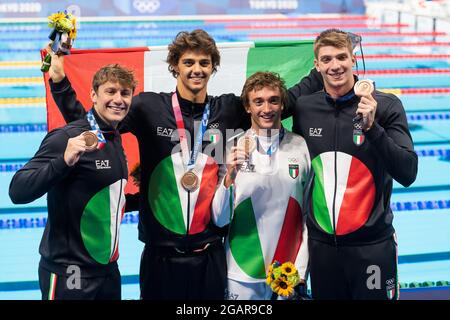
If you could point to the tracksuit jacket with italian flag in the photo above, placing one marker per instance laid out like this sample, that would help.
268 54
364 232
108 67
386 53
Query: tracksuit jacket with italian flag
348 199
169 215
264 206
85 202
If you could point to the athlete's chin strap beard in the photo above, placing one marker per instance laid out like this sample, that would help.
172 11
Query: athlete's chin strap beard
356 40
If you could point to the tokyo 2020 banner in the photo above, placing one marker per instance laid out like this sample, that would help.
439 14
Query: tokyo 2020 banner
92 8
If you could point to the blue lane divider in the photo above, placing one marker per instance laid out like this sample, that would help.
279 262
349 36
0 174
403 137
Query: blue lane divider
33 127
424 257
39 222
439 285
42 127
39 31
34 285
10 167
420 205
433 153
445 153
134 279
14 166
132 218
428 116
23 210
28 127
2 50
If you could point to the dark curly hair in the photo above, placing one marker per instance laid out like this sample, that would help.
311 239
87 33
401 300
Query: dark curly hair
260 80
197 40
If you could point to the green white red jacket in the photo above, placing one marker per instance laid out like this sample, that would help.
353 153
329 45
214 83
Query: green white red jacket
264 209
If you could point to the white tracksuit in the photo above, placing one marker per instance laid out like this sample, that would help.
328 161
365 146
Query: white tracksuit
266 223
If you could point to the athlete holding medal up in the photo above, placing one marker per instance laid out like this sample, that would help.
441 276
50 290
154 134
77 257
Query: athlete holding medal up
359 141
261 194
83 169
365 89
91 140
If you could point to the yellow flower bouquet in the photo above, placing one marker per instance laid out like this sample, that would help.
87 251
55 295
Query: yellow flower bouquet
63 34
284 281
282 278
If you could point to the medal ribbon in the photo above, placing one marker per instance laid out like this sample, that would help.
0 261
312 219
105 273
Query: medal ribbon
96 129
274 145
190 161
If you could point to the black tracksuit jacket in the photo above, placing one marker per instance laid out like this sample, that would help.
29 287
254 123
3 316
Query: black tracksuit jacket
348 199
85 202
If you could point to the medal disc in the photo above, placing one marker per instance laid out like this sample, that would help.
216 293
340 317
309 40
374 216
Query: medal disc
247 143
364 87
91 140
189 181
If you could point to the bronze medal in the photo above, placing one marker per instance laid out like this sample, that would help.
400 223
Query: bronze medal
189 181
91 140
364 88
247 143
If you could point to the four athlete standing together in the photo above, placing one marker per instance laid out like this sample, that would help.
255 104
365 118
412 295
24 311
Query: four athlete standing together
313 197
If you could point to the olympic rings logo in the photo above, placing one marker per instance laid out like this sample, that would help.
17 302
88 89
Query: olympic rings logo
146 6
390 281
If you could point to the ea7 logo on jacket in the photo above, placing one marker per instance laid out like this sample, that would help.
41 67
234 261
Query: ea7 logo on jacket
164 132
102 164
315 132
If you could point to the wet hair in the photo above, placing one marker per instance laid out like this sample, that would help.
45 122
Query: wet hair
260 80
332 37
197 41
114 73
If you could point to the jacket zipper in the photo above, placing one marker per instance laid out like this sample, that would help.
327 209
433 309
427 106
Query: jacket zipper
336 115
188 212
117 219
118 208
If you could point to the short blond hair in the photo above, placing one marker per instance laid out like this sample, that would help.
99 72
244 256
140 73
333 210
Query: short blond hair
334 38
114 73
